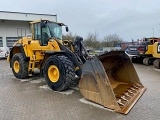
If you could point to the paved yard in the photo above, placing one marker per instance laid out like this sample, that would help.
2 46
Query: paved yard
31 99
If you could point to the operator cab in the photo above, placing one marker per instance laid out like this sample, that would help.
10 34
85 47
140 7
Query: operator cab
45 30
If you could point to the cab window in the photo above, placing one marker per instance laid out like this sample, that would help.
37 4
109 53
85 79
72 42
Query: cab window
37 31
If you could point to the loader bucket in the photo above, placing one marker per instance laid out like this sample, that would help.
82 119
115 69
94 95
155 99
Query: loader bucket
111 80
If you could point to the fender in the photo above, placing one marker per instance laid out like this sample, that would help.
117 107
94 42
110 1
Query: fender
18 48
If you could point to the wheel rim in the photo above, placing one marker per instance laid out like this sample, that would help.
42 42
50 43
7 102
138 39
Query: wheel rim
149 62
16 66
53 73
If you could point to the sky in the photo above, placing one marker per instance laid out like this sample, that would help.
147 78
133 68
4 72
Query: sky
130 19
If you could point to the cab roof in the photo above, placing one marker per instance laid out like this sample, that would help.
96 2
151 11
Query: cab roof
38 21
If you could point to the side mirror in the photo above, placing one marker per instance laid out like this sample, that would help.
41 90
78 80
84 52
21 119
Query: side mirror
67 29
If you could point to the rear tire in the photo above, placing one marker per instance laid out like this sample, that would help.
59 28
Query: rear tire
148 61
134 59
145 61
19 66
156 63
62 76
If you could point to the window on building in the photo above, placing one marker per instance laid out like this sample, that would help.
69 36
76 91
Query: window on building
1 42
11 40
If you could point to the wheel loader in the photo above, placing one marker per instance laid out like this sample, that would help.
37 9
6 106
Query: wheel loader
109 80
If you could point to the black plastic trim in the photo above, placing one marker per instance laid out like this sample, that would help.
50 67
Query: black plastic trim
158 48
21 51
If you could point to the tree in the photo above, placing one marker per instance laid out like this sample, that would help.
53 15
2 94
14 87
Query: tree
111 40
92 40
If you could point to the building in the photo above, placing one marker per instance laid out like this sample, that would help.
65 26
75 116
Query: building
15 25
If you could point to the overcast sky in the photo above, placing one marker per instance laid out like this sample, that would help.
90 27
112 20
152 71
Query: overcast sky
130 19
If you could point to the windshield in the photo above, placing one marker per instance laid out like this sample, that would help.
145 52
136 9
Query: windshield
55 30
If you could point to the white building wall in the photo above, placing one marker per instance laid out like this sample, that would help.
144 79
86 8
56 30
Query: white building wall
11 23
11 29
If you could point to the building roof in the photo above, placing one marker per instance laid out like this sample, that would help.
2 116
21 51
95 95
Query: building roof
7 15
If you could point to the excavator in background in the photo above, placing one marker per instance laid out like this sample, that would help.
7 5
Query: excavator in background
143 53
109 79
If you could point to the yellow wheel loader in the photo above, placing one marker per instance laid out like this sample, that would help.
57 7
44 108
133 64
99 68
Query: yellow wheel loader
109 79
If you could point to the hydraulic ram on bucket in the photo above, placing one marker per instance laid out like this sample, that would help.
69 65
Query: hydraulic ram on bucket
111 80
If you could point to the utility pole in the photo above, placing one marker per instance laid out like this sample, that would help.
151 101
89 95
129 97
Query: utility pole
153 32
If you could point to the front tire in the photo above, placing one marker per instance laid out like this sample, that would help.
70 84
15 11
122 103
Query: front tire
59 72
19 66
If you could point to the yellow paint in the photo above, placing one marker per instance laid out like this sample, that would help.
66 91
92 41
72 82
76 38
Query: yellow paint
77 68
34 50
72 49
155 48
149 49
8 58
16 66
53 73
67 42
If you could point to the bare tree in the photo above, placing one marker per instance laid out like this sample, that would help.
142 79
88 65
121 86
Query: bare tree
111 40
92 40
